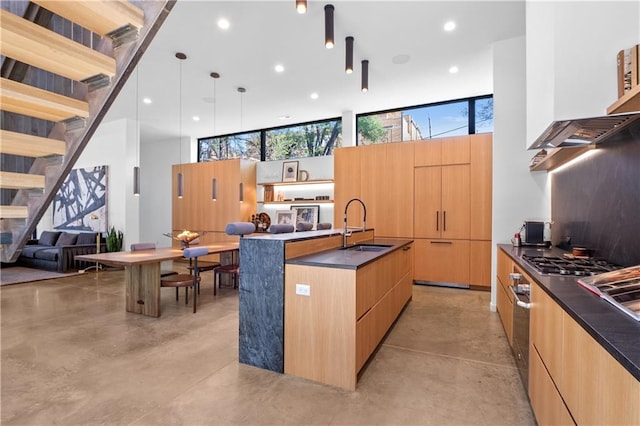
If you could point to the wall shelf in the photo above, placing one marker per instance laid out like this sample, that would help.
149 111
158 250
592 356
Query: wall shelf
629 102
303 182
558 157
297 202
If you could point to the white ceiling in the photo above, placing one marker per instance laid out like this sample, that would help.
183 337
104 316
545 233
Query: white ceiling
264 33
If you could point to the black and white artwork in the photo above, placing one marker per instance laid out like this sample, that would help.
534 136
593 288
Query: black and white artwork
309 214
81 202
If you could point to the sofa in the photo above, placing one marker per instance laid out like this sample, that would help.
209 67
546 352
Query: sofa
56 250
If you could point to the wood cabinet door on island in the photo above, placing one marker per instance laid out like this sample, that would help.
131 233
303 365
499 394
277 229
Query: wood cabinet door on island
331 332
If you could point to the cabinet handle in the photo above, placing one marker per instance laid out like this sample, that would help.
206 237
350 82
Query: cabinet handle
444 220
406 248
437 220
441 242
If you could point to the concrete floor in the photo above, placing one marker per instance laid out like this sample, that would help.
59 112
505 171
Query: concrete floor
71 355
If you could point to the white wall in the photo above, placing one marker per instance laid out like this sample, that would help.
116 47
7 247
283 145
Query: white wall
157 157
113 145
518 194
571 50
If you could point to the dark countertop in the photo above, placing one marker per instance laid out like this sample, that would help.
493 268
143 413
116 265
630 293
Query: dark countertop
618 333
349 259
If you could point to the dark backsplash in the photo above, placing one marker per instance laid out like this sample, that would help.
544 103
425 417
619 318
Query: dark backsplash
597 201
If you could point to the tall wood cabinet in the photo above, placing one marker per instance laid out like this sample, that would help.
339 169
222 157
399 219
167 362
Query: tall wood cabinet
197 211
437 192
382 177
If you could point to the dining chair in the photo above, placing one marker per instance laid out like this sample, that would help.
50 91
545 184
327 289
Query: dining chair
187 280
232 269
151 246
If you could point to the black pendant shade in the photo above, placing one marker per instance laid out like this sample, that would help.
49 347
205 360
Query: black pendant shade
348 67
365 75
328 26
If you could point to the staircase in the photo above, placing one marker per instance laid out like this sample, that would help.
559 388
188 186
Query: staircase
63 65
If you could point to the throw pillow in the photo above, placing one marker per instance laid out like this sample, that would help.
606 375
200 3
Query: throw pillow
49 238
86 238
66 239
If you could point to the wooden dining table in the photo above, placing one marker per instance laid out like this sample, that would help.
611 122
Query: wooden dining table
142 273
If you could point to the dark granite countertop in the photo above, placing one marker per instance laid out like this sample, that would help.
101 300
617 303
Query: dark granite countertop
618 333
350 259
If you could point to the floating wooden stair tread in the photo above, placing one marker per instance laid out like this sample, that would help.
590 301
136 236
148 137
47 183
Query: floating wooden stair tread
15 143
28 100
100 16
14 212
11 180
32 44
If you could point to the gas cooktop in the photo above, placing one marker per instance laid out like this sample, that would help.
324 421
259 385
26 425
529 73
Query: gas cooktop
556 265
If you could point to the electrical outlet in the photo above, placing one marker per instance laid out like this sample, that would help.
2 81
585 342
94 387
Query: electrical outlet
303 289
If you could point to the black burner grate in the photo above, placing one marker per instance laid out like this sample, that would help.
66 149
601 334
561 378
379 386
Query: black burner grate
556 265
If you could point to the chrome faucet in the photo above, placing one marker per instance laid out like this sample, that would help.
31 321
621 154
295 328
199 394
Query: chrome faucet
364 220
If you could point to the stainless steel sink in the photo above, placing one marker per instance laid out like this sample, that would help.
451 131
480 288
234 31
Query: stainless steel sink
368 247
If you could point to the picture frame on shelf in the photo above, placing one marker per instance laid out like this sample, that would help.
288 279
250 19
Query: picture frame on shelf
290 171
286 217
307 213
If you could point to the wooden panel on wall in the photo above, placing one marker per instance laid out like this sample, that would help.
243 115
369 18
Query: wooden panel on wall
480 264
427 202
480 196
372 165
455 201
347 185
396 191
456 150
197 210
428 153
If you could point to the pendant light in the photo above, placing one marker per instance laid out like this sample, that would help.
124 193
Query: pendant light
214 181
365 76
328 26
348 67
136 168
181 56
301 6
241 90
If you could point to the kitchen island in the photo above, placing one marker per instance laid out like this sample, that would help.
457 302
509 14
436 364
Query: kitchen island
265 264
584 352
339 304
261 305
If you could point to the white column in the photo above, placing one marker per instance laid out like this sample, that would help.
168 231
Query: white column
348 128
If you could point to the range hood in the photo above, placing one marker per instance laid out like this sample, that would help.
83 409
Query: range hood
583 131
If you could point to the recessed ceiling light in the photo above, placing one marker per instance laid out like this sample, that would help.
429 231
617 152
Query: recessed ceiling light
400 59
196 118
449 26
314 95
223 24
279 68
146 101
284 117
453 69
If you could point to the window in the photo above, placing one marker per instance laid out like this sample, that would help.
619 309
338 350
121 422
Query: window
281 143
303 140
443 119
239 145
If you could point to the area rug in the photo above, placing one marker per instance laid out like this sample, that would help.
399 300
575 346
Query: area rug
20 274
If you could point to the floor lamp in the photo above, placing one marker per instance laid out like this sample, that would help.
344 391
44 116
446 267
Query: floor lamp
97 265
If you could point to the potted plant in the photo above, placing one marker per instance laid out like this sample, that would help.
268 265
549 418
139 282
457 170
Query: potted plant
114 240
